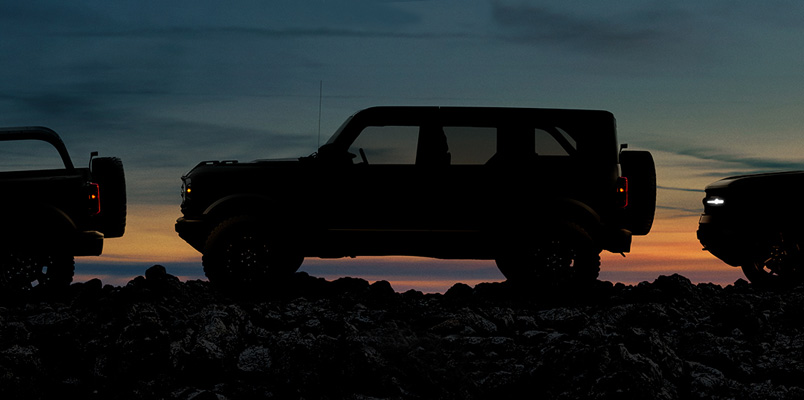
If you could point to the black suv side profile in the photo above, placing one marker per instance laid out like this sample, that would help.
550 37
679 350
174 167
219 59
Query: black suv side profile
540 191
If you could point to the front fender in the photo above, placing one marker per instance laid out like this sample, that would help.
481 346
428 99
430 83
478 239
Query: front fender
239 204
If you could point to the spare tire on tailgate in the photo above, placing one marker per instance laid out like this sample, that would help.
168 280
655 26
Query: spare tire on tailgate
108 173
639 168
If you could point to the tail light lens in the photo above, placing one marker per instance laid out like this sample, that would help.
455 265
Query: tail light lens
93 198
622 192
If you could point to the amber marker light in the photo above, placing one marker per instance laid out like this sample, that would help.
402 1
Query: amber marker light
94 198
622 191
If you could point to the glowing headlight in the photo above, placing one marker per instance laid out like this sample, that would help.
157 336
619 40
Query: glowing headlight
715 201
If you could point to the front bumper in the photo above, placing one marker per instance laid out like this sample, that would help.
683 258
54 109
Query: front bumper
724 241
194 231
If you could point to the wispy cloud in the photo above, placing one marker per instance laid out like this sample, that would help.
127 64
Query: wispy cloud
738 161
630 32
200 32
678 189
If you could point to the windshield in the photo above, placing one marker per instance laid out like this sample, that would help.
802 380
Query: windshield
338 131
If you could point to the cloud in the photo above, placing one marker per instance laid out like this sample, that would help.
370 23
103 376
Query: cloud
632 32
201 32
737 161
678 189
92 17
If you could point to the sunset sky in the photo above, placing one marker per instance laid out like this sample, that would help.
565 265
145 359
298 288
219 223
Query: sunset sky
711 88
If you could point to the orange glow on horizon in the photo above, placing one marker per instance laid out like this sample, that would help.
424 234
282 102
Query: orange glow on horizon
150 239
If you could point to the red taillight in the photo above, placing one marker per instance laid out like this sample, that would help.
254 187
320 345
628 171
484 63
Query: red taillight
622 192
93 196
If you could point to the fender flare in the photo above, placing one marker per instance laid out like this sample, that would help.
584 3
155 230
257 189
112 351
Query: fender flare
554 213
573 211
238 204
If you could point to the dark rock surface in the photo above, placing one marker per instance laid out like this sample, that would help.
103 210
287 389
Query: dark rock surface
159 338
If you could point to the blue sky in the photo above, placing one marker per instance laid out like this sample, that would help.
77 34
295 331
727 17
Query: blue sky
711 88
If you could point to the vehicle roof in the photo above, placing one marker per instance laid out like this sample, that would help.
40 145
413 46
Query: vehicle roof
592 129
481 116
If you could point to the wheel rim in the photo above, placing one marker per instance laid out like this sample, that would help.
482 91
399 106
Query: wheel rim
255 258
555 260
248 257
21 271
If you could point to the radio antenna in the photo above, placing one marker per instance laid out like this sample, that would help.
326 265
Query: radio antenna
320 96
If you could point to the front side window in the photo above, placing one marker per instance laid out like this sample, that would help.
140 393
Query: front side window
387 144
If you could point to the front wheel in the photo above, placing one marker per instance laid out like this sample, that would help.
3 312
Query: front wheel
779 262
21 271
560 256
241 253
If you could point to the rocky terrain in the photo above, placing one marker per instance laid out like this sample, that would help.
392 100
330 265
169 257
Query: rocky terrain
159 338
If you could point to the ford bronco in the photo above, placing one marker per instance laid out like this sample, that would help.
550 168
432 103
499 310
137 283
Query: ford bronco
755 222
540 191
51 214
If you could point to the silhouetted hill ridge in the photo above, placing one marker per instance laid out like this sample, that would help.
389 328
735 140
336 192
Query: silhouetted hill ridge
158 337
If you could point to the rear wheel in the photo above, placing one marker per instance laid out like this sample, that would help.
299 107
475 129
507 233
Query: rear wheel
241 253
780 261
21 271
562 256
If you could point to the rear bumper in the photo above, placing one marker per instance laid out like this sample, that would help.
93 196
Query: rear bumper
88 243
617 241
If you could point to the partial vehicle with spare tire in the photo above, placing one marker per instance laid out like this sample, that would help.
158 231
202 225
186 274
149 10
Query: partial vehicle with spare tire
52 210
540 191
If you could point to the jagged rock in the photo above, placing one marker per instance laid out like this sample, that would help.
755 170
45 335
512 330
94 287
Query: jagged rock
158 337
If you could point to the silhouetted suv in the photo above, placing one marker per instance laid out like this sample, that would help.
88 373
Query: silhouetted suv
755 222
52 211
540 191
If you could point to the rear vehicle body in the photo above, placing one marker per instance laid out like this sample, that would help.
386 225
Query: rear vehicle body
51 215
444 182
755 222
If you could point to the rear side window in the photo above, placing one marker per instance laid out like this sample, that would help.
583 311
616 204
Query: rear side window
555 142
28 155
471 145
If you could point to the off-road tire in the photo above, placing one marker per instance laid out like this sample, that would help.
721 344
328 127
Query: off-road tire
21 271
241 253
559 256
639 168
780 262
108 173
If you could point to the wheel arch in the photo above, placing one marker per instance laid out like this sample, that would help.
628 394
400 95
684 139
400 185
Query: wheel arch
566 211
239 204
556 214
